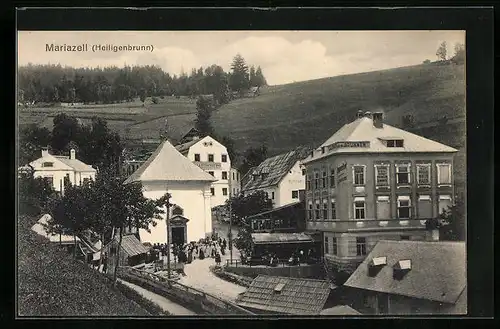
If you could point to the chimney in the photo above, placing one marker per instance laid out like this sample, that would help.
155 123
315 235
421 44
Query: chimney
72 154
378 119
45 151
359 114
368 114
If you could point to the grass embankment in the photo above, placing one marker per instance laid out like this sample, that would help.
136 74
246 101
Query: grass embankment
51 283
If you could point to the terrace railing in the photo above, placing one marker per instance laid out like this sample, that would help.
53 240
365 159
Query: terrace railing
366 224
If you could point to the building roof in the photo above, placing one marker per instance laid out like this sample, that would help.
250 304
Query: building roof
274 210
168 164
339 310
438 270
268 238
132 246
363 130
76 164
40 229
184 148
285 295
275 168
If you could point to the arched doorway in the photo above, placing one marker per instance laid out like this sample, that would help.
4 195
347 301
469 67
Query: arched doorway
178 229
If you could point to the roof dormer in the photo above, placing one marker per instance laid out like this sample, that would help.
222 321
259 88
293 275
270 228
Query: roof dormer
401 268
376 264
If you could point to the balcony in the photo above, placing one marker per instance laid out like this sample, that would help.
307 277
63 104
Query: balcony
366 225
205 165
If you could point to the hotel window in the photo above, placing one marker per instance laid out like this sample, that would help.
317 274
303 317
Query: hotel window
404 207
272 195
424 206
323 179
48 164
233 175
303 172
332 177
318 212
66 180
359 175
197 157
334 209
211 173
334 246
405 237
326 245
224 191
210 158
308 182
403 174
424 174
382 175
310 211
444 174
359 208
316 180
395 143
444 203
224 175
295 194
361 246
224 157
325 209
383 207
212 190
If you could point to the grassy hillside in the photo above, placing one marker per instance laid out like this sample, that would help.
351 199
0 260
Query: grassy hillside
309 112
51 283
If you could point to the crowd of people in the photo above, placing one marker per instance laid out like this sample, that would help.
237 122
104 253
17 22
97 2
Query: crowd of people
270 258
210 247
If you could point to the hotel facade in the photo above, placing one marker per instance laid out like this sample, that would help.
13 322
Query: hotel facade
371 181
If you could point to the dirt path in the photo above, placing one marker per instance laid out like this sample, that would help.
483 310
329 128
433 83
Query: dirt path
166 304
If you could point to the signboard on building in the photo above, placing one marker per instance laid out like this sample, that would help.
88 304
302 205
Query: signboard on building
208 165
347 144
342 172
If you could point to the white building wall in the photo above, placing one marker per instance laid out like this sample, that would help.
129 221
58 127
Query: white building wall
192 197
293 181
204 147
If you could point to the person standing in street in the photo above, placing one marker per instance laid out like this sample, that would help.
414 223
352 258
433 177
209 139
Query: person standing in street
217 259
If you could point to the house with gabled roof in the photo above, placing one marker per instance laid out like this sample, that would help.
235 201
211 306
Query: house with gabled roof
371 181
411 278
213 157
280 176
60 170
167 170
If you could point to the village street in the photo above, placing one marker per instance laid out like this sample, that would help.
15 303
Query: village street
199 276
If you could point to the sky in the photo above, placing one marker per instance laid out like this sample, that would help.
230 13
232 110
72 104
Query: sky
284 56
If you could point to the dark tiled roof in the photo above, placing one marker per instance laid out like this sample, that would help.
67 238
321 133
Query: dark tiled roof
275 210
438 270
132 246
275 168
264 238
184 148
339 310
297 296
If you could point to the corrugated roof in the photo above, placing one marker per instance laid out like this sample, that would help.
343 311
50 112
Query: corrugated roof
132 246
339 310
168 164
75 163
438 270
264 238
363 130
275 168
297 296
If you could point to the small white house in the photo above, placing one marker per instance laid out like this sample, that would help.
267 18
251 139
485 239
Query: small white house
58 169
167 170
213 158
281 177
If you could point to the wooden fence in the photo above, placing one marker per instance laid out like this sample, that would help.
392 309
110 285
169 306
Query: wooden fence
194 299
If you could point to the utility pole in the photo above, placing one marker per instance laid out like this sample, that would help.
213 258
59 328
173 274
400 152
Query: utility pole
167 206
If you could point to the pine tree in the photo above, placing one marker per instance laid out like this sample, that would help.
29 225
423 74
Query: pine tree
253 80
239 80
259 77
441 52
202 122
